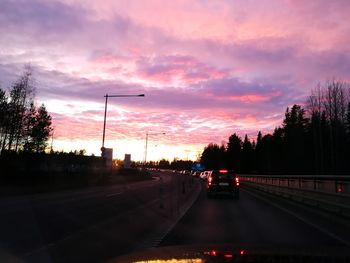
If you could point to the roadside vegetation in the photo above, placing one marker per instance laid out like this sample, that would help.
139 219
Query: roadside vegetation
24 172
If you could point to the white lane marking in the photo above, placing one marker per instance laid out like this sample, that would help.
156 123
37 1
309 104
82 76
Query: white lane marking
114 194
321 229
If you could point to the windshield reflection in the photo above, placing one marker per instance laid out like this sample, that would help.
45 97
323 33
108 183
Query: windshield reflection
173 260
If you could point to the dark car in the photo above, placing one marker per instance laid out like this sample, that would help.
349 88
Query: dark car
196 173
223 182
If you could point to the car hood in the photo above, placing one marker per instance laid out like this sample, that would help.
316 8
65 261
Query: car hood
234 253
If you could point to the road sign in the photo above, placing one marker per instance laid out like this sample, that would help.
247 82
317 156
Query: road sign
198 167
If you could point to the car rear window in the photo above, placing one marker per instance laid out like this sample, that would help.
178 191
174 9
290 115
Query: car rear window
223 175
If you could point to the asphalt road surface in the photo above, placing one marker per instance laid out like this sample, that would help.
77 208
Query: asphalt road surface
97 224
88 225
257 220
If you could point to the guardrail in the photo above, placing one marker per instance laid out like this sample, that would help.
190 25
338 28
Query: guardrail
329 193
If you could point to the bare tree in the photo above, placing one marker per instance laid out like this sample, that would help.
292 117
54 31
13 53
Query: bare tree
3 117
327 107
22 125
21 97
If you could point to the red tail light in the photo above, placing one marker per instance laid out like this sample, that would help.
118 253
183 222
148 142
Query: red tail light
237 181
228 255
210 179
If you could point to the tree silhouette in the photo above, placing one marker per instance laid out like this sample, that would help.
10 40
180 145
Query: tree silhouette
22 126
247 155
41 129
4 117
233 152
213 156
294 128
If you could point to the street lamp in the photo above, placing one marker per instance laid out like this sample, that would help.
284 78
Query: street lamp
104 121
146 144
187 152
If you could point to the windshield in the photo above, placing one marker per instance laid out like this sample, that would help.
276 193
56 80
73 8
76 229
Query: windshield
132 126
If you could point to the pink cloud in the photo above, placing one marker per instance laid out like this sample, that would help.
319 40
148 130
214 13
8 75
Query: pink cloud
249 98
110 59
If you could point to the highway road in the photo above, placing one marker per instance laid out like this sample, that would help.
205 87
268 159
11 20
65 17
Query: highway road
257 220
98 224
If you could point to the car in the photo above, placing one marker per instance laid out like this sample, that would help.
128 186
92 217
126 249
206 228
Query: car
185 172
195 173
204 175
223 182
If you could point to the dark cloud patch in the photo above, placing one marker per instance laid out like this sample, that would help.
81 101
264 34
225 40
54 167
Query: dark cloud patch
264 50
329 63
65 29
185 68
40 17
9 73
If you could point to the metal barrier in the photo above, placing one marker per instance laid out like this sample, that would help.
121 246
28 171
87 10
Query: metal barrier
330 193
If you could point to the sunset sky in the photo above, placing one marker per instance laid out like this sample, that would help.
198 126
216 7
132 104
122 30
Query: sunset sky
208 68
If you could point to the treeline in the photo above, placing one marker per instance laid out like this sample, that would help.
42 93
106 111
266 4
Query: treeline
29 164
313 139
32 172
175 164
23 126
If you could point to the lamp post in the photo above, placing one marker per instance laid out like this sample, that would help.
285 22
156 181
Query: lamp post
146 144
104 121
